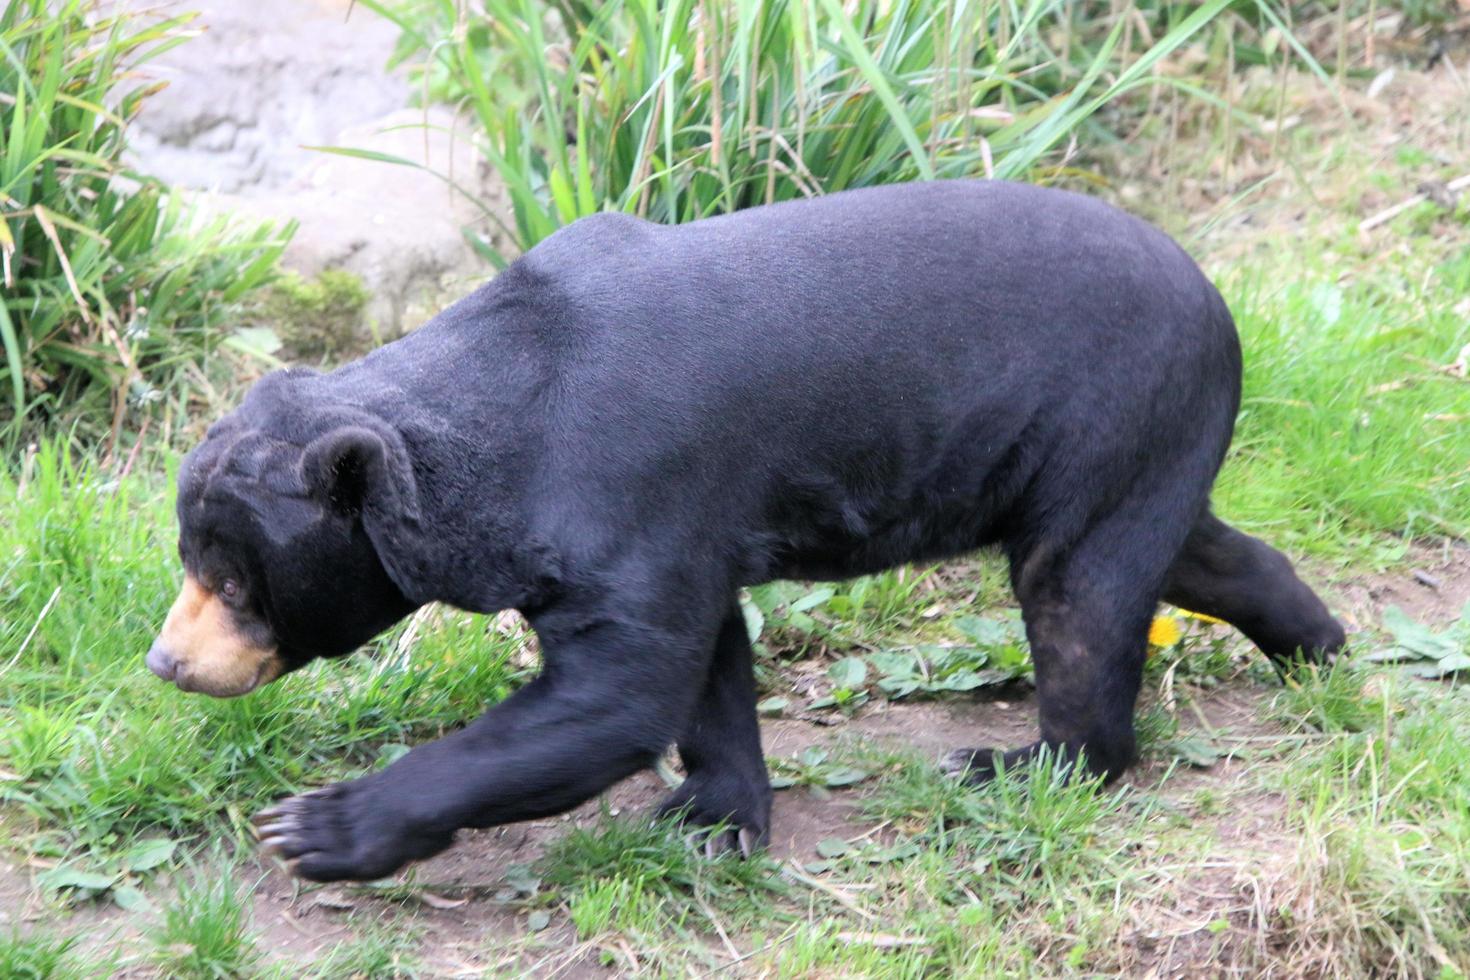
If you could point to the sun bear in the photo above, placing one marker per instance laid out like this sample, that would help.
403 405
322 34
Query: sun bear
634 421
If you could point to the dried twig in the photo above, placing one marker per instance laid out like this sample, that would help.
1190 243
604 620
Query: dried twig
1388 214
790 869
785 937
882 940
35 626
714 920
133 453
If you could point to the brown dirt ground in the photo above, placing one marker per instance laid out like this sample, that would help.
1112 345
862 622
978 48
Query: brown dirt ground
1203 917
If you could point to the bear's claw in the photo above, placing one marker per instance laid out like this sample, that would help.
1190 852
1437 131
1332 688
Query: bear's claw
279 818
740 809
972 765
304 829
347 831
274 827
744 840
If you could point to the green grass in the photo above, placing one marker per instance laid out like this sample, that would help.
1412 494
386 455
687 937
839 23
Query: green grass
112 288
130 794
37 957
106 752
1331 700
1043 826
1384 810
656 859
373 953
205 933
681 110
1350 425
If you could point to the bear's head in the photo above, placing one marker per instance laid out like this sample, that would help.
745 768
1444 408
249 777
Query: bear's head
293 523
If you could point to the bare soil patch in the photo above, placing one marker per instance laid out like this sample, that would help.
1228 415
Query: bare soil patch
1433 588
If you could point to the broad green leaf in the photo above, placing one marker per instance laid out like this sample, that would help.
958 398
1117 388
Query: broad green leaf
520 878
1417 639
755 621
69 877
846 776
849 672
392 752
130 899
1195 751
833 847
963 680
1444 666
897 688
772 706
812 756
812 599
149 854
893 664
985 632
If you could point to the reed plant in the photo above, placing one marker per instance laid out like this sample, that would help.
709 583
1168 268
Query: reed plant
111 284
679 109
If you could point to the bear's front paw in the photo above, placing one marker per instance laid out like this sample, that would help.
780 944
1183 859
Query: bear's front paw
974 766
740 805
342 833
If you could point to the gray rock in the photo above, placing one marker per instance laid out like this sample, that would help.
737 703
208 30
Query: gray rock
266 79
396 227
263 79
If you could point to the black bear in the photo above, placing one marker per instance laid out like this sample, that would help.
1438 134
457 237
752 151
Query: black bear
633 421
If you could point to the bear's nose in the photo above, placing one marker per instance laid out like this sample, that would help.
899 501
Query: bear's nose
161 662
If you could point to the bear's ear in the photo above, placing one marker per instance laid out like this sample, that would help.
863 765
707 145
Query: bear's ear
361 472
342 467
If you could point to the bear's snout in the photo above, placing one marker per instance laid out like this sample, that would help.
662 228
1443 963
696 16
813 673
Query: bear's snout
201 649
161 662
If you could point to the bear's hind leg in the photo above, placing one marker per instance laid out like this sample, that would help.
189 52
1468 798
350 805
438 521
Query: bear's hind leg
721 749
1235 577
1087 601
1089 667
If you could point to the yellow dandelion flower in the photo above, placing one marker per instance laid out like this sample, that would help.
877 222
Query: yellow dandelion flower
1191 614
1164 631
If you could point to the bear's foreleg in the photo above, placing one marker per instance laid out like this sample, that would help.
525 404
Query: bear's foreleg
611 698
727 782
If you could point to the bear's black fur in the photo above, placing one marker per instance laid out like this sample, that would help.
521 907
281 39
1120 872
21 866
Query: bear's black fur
633 421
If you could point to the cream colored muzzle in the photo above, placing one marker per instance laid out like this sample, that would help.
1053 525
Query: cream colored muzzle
200 650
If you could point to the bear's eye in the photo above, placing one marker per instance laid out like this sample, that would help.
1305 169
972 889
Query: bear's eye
229 588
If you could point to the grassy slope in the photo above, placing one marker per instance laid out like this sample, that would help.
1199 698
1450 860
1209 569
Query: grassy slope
1351 432
1350 423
